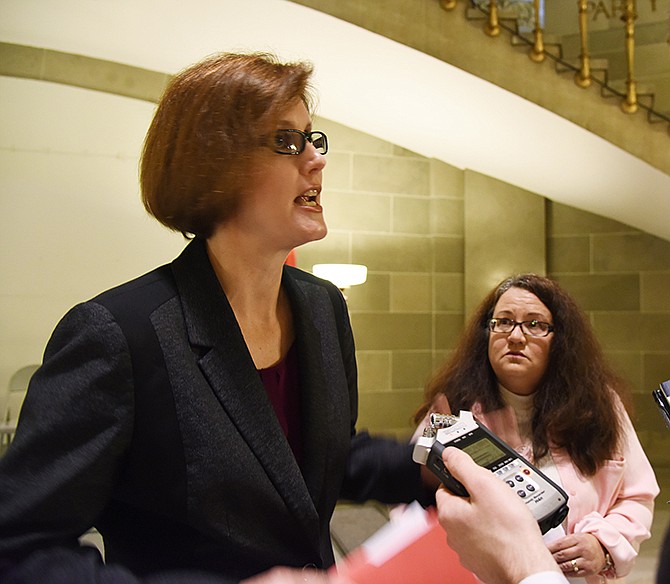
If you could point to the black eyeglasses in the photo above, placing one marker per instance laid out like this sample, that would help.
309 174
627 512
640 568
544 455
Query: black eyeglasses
294 141
533 328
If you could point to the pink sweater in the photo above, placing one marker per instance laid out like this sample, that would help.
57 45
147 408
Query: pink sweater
615 505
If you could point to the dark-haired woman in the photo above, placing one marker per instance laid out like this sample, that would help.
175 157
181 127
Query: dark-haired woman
530 369
202 416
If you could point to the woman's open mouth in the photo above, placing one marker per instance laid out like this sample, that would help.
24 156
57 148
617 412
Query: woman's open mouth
308 199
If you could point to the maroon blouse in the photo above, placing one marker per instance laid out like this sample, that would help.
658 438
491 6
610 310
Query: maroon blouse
281 383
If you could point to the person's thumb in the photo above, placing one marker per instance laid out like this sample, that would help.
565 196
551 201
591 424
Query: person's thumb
461 466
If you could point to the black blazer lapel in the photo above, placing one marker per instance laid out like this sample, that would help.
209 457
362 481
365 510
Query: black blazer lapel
227 365
324 396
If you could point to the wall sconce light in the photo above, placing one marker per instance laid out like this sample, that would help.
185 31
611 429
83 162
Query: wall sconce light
342 275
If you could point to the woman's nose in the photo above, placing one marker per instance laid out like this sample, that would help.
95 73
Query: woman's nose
517 336
315 160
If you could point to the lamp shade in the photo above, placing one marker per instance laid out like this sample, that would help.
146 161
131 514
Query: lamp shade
342 275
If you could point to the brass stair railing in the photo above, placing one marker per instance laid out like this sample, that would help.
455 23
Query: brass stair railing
537 52
583 76
630 103
490 12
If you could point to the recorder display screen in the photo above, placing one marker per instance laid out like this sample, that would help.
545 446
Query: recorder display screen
484 452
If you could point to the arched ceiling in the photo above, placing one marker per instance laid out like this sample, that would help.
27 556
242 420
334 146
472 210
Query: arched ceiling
370 83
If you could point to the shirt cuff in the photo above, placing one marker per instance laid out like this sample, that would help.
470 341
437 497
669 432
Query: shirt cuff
545 578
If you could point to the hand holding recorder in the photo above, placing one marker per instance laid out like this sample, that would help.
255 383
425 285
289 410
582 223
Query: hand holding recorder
491 530
545 499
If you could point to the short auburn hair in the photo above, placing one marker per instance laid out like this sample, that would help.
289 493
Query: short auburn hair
210 119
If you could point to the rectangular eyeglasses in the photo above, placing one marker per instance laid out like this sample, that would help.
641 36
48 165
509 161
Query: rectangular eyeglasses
293 142
533 328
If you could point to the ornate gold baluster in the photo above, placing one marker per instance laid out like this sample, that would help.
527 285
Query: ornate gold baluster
537 52
583 76
629 104
492 27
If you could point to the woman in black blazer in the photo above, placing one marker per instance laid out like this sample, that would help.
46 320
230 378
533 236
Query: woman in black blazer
202 416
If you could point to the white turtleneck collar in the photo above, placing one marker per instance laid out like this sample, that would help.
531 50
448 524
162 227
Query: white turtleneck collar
523 409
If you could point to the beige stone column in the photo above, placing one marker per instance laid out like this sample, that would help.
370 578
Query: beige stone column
504 234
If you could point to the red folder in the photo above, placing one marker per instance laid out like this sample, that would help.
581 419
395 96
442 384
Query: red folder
405 552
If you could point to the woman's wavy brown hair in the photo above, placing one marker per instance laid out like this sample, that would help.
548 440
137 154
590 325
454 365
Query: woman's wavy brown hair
210 120
574 408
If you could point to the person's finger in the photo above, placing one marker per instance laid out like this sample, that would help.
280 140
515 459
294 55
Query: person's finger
445 498
453 508
465 470
484 487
